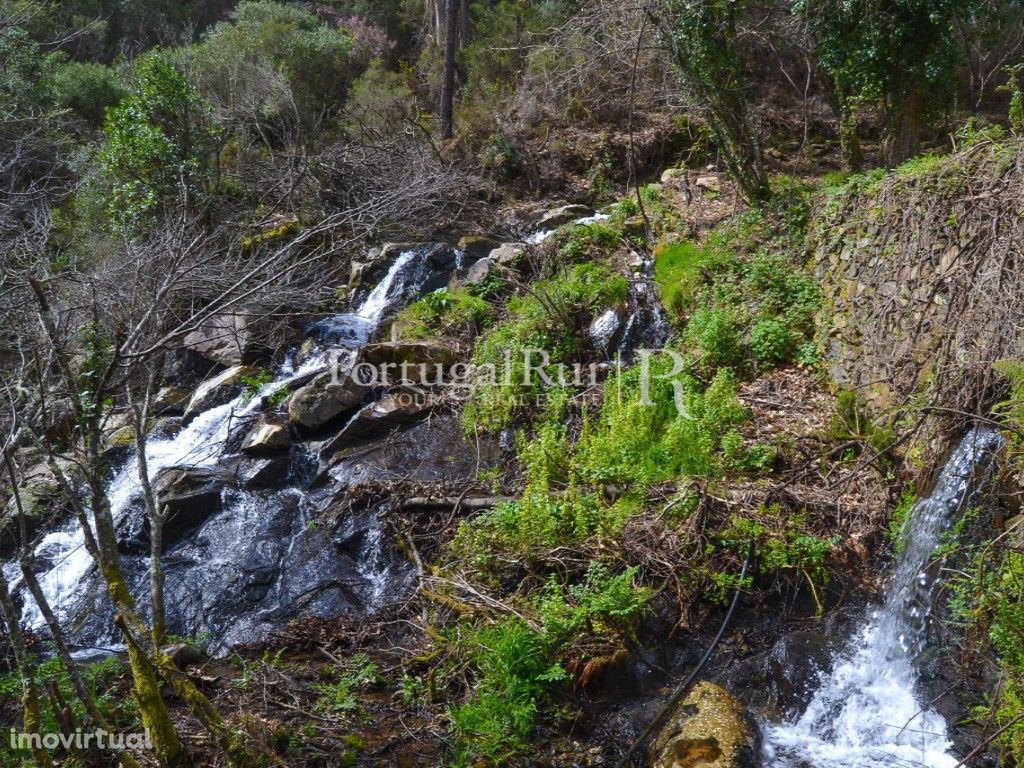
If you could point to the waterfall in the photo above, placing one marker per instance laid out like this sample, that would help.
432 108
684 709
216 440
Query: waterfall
410 274
197 445
201 444
867 713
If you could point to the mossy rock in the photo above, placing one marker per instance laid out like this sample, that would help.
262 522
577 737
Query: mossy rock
708 729
476 247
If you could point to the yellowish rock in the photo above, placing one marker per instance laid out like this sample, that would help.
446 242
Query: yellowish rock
707 730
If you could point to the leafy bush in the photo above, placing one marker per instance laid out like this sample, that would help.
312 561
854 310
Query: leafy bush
157 144
263 38
716 334
380 102
771 343
443 313
514 673
579 241
678 268
86 88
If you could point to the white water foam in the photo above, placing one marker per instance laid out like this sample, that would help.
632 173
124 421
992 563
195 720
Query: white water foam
197 445
867 713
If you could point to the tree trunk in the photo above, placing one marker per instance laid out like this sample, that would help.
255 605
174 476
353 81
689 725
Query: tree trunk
904 134
25 561
463 23
451 19
849 140
31 722
140 414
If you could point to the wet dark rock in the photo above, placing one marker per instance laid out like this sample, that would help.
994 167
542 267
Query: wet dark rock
348 329
268 434
183 655
261 472
434 451
323 399
189 495
397 409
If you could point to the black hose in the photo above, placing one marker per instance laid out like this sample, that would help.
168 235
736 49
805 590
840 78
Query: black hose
683 687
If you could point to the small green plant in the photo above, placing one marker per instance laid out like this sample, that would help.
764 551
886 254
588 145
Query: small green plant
896 531
514 675
253 383
678 270
716 334
359 673
443 313
771 343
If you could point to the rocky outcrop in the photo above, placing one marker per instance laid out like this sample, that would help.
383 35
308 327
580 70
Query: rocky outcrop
397 409
923 278
507 254
171 401
412 354
268 434
323 399
41 495
229 338
556 217
476 247
480 271
708 729
189 495
221 389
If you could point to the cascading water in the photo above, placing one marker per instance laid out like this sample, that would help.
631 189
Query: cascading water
198 445
68 572
866 712
414 271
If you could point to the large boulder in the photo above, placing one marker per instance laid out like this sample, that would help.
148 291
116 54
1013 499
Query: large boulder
268 434
476 247
556 217
708 729
507 254
323 399
480 271
395 410
219 390
229 338
412 354
189 495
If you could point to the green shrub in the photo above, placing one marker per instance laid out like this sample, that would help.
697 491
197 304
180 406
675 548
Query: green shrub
678 270
553 317
716 334
443 313
380 102
86 88
513 675
578 241
771 343
263 42
157 145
